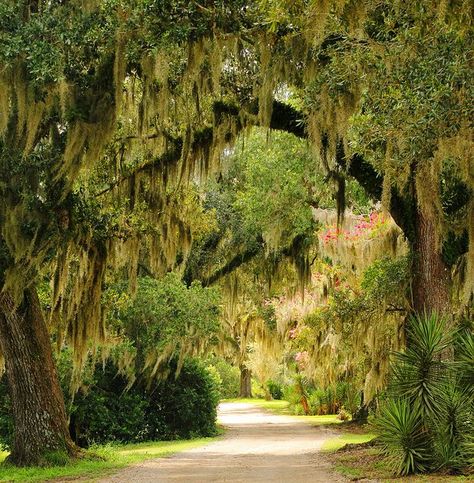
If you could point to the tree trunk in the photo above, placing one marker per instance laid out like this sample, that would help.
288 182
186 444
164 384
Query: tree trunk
39 415
431 280
245 382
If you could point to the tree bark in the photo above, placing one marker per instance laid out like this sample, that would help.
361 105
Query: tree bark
245 382
37 401
431 277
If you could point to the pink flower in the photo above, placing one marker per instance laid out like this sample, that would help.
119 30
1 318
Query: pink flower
302 359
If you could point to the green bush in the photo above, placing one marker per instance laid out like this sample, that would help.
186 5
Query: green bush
230 378
343 415
105 411
405 439
275 390
6 421
428 421
178 407
259 391
185 406
292 394
317 401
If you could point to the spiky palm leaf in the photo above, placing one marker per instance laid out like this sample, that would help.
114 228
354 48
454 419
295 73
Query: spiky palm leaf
453 426
465 361
405 439
418 373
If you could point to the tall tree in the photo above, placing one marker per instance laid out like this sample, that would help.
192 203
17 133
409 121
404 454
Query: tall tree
76 76
167 86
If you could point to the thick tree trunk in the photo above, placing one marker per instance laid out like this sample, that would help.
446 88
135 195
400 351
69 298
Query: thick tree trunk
431 280
245 382
37 401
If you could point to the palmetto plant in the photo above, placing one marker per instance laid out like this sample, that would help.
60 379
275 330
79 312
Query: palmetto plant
453 426
428 420
419 372
405 439
465 361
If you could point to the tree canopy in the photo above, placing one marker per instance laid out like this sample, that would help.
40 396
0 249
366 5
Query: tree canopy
115 114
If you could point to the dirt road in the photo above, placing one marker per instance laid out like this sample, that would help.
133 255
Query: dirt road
257 447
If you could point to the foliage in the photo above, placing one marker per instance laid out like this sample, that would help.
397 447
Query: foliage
100 461
428 419
404 437
93 162
419 371
275 185
342 396
185 405
369 226
229 376
6 423
351 330
343 415
165 319
105 411
275 389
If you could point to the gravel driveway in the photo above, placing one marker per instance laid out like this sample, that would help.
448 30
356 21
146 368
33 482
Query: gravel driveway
258 446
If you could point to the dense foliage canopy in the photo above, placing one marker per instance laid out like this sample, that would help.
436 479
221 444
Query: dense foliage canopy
128 150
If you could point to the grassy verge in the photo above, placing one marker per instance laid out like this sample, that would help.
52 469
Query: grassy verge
333 444
113 457
282 407
367 463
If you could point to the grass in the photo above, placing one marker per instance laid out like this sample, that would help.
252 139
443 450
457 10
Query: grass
282 407
114 457
368 463
333 444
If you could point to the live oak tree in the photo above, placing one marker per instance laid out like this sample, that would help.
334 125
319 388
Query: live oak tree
108 109
388 92
76 76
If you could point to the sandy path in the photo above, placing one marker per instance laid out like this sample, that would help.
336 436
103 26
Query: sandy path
258 446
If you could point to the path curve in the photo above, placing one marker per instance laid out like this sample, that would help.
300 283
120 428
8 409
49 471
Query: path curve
257 447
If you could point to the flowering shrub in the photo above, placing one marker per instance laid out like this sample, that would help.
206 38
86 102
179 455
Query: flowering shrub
302 359
367 226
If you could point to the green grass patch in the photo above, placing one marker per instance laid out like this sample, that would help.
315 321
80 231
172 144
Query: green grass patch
320 420
114 457
333 444
350 472
368 463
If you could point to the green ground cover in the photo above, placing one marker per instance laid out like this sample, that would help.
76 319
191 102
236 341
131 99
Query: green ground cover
101 460
367 463
333 444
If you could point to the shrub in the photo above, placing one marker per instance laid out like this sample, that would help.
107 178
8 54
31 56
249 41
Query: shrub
419 372
317 401
259 391
178 407
297 396
6 420
230 378
349 395
183 407
404 437
453 426
429 420
343 415
275 389
106 411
